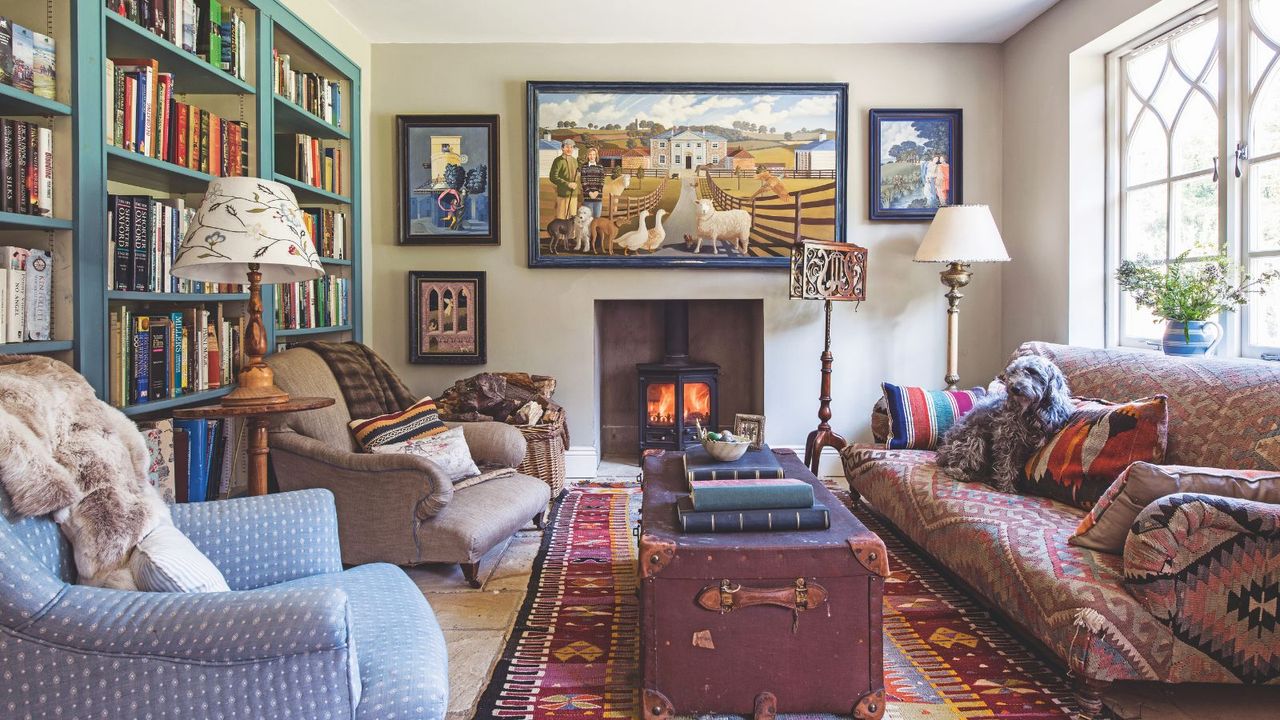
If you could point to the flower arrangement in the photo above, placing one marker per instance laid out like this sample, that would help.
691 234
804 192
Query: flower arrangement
1186 290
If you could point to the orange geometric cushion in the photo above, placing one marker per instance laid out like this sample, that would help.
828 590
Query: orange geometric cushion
418 421
1100 440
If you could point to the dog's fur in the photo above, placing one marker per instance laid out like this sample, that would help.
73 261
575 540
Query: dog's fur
582 229
67 453
603 233
992 442
561 232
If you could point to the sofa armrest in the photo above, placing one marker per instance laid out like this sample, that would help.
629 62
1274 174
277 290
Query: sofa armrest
495 443
260 541
392 481
1177 535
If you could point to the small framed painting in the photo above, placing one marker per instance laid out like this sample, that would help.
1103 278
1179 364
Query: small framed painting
448 179
446 317
915 163
749 427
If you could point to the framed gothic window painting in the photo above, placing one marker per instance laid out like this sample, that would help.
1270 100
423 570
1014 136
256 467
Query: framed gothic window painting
447 318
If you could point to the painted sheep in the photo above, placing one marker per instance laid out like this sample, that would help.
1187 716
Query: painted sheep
716 225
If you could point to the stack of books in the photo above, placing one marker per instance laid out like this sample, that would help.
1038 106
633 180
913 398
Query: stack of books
155 356
143 238
201 27
328 228
26 161
27 60
747 495
313 92
26 293
318 303
191 460
311 161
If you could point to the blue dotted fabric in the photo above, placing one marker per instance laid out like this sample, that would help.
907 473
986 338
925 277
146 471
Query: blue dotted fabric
301 639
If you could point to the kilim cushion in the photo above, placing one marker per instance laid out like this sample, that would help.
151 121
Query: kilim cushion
1099 441
1107 525
918 417
448 450
420 420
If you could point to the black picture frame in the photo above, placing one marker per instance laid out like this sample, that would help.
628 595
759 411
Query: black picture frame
428 205
778 241
420 351
954 119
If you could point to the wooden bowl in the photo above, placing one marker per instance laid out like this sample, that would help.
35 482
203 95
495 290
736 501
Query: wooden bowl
726 451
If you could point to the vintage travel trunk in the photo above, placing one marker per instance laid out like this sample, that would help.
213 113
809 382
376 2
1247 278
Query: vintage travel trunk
757 623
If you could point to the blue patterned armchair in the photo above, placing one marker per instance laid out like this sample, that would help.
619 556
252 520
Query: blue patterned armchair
296 638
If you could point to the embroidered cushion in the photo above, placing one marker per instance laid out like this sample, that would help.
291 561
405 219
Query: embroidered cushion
1107 525
167 561
448 450
1099 441
418 421
919 417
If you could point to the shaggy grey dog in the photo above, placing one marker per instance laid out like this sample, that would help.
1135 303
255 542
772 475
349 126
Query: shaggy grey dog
992 442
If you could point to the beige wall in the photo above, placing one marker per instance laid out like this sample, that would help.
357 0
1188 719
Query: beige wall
1055 165
542 320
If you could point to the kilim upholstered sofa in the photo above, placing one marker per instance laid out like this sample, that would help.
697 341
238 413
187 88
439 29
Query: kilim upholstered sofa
396 508
1195 601
297 638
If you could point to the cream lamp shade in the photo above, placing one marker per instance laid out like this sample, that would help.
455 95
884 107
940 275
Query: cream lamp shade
246 224
962 234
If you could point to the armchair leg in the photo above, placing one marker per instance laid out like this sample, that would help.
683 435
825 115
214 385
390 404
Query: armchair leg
1088 694
540 520
471 571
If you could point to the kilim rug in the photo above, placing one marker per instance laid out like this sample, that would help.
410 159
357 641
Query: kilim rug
574 654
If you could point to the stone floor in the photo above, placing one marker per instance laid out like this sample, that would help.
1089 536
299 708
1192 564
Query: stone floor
476 624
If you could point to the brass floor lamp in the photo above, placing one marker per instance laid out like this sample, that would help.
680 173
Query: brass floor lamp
826 271
959 235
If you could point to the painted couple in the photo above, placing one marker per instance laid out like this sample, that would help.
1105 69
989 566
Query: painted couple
935 179
574 181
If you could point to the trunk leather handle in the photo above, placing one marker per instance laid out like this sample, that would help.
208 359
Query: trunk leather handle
730 596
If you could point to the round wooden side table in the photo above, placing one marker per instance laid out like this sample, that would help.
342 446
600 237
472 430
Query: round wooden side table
256 418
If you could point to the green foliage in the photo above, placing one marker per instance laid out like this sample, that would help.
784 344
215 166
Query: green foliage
1186 291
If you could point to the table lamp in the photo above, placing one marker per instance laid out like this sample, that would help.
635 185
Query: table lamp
826 271
248 229
959 235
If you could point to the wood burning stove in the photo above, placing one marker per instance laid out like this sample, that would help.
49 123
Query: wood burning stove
677 392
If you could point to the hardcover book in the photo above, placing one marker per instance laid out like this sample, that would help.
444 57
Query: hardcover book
751 494
18 170
24 58
727 521
161 470
15 290
45 83
44 174
160 354
6 51
699 465
39 294
141 364
9 200
197 432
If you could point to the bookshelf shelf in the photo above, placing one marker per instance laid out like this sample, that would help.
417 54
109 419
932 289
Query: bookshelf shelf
175 402
138 169
310 193
14 101
36 347
16 221
127 39
334 261
297 332
293 118
131 296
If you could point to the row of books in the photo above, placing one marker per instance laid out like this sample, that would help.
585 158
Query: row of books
322 302
191 460
143 237
28 60
328 230
26 161
313 161
747 495
26 294
145 118
205 28
161 355
315 93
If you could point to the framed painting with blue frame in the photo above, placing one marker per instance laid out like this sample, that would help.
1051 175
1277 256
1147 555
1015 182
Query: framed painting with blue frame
448 179
916 163
719 174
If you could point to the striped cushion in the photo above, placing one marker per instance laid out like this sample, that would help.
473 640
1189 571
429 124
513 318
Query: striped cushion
166 561
919 417
420 420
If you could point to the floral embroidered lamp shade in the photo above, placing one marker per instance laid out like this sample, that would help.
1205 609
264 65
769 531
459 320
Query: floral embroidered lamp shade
249 230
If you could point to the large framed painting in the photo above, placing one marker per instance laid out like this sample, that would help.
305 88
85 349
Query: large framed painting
448 179
636 174
446 318
916 163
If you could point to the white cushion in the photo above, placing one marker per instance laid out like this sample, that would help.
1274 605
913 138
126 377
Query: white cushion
166 561
448 450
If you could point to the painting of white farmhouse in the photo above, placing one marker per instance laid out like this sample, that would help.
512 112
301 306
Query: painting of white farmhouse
670 174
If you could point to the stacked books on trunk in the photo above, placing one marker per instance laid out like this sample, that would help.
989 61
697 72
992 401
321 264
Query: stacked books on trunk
747 495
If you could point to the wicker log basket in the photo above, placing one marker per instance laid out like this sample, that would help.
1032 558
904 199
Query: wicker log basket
544 458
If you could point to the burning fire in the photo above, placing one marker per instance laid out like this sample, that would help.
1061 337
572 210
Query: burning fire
660 403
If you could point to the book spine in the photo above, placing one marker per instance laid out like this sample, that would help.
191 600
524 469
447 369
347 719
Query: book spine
180 379
39 294
15 294
159 343
816 518
141 232
9 201
19 167
141 359
46 171
737 474
752 497
121 211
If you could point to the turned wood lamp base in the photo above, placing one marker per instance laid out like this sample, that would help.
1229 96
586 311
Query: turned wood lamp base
256 384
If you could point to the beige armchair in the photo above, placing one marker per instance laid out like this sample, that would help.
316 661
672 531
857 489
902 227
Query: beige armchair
393 508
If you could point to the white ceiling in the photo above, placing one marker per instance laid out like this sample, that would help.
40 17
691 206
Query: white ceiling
689 21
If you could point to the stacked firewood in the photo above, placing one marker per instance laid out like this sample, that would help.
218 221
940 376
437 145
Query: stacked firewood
513 398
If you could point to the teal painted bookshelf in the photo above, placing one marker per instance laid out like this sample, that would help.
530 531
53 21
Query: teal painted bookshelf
92 33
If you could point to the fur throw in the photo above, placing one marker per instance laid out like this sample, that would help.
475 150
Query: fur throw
993 441
71 455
